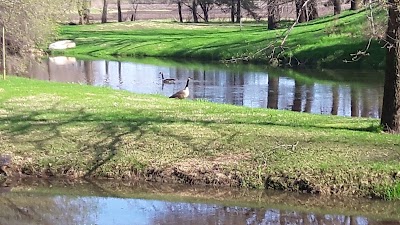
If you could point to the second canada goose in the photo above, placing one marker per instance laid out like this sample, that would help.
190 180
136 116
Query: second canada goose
168 80
184 93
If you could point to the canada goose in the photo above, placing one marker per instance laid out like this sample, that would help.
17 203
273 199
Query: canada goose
182 93
168 80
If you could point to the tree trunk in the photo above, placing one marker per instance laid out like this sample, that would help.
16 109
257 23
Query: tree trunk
180 11
233 11
355 102
104 14
238 11
135 5
355 4
273 92
83 11
273 14
335 100
309 98
119 11
300 11
312 10
337 7
390 118
194 11
205 7
297 97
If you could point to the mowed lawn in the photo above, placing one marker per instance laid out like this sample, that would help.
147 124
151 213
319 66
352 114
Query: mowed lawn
326 42
58 129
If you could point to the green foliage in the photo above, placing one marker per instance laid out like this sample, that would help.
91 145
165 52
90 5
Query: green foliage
388 192
393 192
29 25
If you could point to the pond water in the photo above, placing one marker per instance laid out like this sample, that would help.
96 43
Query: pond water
110 202
347 93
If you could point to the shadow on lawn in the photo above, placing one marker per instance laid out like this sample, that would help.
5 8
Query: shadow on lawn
31 129
104 134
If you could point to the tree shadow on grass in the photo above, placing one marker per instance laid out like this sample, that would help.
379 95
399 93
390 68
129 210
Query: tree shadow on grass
31 128
40 128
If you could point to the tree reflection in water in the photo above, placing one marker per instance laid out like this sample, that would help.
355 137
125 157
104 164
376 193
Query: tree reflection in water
161 204
40 210
344 93
191 214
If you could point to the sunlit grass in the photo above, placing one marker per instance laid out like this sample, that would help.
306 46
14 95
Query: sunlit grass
84 130
325 42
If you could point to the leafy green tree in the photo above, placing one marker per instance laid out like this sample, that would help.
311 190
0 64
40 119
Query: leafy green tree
30 25
83 10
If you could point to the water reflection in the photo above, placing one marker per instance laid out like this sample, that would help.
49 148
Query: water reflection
143 204
347 93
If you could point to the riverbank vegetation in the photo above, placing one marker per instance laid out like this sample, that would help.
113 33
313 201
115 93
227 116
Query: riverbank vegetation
326 42
71 130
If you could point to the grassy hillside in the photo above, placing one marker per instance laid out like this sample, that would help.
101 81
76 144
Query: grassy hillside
54 129
325 42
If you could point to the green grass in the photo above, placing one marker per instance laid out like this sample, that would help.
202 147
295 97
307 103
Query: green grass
325 42
55 129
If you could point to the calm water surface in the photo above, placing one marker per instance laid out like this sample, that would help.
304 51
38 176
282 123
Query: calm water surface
346 93
95 202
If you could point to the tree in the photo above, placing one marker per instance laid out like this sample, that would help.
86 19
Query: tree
355 4
390 118
134 4
231 7
119 11
83 11
312 10
104 13
233 11
337 8
273 14
29 24
206 6
306 10
250 6
301 11
238 11
194 11
179 2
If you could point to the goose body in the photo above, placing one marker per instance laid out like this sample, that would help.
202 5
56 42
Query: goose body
168 80
184 93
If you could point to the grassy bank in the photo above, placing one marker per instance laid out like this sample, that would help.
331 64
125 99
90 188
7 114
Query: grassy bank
54 129
325 42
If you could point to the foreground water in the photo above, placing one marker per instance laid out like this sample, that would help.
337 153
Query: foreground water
110 202
346 93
